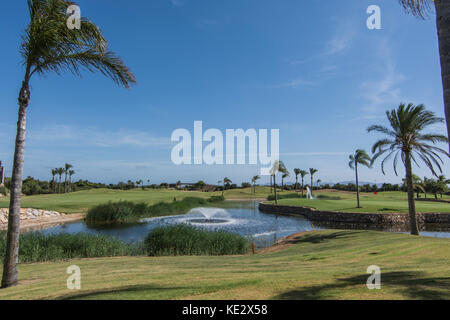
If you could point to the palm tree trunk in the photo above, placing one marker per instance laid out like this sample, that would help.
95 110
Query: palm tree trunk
65 183
357 185
296 183
270 184
411 203
443 30
311 184
303 186
10 274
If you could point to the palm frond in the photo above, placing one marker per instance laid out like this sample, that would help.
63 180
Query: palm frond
50 46
418 8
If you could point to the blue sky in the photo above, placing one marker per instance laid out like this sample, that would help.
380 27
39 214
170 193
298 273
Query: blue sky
309 68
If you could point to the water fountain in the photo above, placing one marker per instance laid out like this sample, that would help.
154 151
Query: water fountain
208 216
309 193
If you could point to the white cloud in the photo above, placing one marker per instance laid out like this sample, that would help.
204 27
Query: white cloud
65 134
384 92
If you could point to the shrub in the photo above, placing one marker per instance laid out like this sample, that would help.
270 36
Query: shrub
183 239
324 196
216 199
37 247
114 212
126 211
284 196
4 191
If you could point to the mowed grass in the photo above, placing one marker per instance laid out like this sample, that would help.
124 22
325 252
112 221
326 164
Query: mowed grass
319 265
392 201
82 201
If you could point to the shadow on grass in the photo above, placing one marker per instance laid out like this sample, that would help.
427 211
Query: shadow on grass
319 238
135 289
412 285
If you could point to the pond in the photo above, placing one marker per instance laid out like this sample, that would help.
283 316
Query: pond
240 217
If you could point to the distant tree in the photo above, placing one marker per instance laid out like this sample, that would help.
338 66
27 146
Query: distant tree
273 172
312 171
254 179
405 137
303 174
200 184
67 168
284 176
60 172
359 157
71 173
53 183
226 184
296 172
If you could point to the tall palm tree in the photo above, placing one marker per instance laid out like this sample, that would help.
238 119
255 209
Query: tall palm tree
60 172
420 8
296 172
285 173
359 157
303 174
312 171
71 173
67 168
273 171
49 46
284 176
405 137
53 179
254 179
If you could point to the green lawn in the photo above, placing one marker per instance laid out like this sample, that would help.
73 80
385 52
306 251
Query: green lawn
80 202
320 265
382 202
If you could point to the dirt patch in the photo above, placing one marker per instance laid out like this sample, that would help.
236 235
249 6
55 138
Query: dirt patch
283 243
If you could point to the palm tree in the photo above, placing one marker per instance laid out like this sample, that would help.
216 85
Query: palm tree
60 172
360 157
285 173
442 183
49 46
405 137
420 8
225 181
303 174
67 168
284 176
273 172
254 179
71 173
312 171
296 172
54 172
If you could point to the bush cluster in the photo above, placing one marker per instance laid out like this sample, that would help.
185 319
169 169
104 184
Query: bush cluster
183 239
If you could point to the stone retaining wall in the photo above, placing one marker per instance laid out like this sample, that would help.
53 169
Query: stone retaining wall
28 214
353 218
